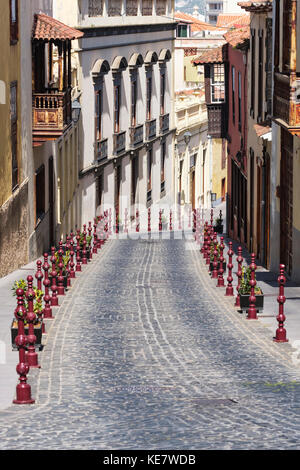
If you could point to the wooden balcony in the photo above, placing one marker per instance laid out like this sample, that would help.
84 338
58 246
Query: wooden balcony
150 129
101 150
51 114
217 121
164 120
119 140
136 136
286 102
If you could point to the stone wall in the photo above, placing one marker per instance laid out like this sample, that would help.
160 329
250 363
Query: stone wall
14 231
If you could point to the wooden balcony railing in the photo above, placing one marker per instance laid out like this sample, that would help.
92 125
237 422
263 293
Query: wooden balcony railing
119 142
51 114
101 150
136 135
164 123
150 129
286 104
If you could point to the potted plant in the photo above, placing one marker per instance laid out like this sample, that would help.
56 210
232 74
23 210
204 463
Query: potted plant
212 256
88 239
38 310
65 260
245 291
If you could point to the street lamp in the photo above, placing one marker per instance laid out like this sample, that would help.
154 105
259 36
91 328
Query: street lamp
76 109
187 137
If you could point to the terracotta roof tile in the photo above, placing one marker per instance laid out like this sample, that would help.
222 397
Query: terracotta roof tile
238 36
196 25
227 20
45 27
212 56
257 5
261 129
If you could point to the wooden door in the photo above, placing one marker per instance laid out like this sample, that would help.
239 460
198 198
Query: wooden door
117 189
267 212
193 189
286 200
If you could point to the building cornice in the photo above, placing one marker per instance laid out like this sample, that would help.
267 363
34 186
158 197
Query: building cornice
101 31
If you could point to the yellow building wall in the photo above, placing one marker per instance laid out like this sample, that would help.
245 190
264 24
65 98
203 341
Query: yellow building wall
9 72
218 173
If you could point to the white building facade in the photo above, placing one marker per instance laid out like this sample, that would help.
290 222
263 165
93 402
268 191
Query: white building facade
126 83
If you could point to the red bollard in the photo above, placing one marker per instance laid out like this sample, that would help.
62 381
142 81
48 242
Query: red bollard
229 288
212 217
209 243
137 221
54 298
252 313
60 277
23 389
281 331
39 275
78 259
72 253
239 275
31 355
202 250
194 220
95 245
68 269
90 238
47 312
160 221
215 262
109 222
171 227
149 219
221 261
84 258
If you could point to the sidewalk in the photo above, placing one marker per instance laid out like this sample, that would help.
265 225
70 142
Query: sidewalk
8 357
267 280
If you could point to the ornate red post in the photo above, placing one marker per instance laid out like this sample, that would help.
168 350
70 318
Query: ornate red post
252 313
67 246
109 222
281 331
229 288
212 217
215 262
31 356
72 264
160 221
23 389
137 221
78 259
54 298
202 250
84 258
60 278
221 261
171 227
205 246
209 243
39 275
47 312
149 219
95 246
90 238
239 275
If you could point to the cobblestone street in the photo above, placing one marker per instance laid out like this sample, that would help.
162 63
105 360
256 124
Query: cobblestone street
146 353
